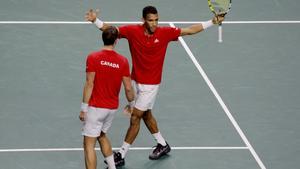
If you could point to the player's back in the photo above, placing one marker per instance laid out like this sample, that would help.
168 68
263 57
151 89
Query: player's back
109 68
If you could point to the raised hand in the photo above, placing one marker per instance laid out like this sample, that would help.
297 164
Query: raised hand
91 15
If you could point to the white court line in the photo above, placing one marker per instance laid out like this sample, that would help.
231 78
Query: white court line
132 148
221 102
136 22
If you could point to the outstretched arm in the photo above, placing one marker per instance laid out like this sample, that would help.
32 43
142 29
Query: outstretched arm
193 29
91 16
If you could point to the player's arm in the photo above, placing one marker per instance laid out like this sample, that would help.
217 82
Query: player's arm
87 92
129 92
128 88
88 87
196 28
91 16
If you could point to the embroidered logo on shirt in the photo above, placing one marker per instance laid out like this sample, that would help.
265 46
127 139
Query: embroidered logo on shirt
156 40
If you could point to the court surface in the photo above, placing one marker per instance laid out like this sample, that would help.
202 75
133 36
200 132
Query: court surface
233 105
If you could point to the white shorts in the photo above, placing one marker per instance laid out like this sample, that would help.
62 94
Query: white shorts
97 120
145 95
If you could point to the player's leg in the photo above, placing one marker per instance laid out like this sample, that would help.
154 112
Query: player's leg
132 132
145 101
113 159
97 120
162 147
91 130
150 122
106 150
134 127
89 152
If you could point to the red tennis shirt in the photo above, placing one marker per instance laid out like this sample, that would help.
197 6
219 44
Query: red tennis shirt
109 68
148 51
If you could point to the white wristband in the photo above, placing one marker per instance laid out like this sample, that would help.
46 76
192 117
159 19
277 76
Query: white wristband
84 107
207 24
98 23
131 104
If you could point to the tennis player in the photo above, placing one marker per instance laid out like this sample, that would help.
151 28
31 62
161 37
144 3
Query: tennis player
105 71
148 43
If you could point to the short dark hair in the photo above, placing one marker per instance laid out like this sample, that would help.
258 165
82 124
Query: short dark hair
149 10
109 35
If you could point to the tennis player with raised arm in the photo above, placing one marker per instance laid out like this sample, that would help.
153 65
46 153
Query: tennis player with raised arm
148 43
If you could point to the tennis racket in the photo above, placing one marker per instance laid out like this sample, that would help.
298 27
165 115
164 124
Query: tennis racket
219 8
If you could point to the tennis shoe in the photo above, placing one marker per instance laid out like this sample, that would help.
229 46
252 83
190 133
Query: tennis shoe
159 151
119 161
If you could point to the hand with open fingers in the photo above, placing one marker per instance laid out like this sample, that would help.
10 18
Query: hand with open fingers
218 19
91 15
82 116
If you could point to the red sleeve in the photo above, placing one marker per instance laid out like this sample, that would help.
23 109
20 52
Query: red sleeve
123 31
172 33
126 70
90 64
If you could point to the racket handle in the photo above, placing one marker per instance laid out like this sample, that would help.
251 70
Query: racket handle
220 40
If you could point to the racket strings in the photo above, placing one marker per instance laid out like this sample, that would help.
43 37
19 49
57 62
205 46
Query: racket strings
219 6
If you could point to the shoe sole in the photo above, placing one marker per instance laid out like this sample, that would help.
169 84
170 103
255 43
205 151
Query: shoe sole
120 164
